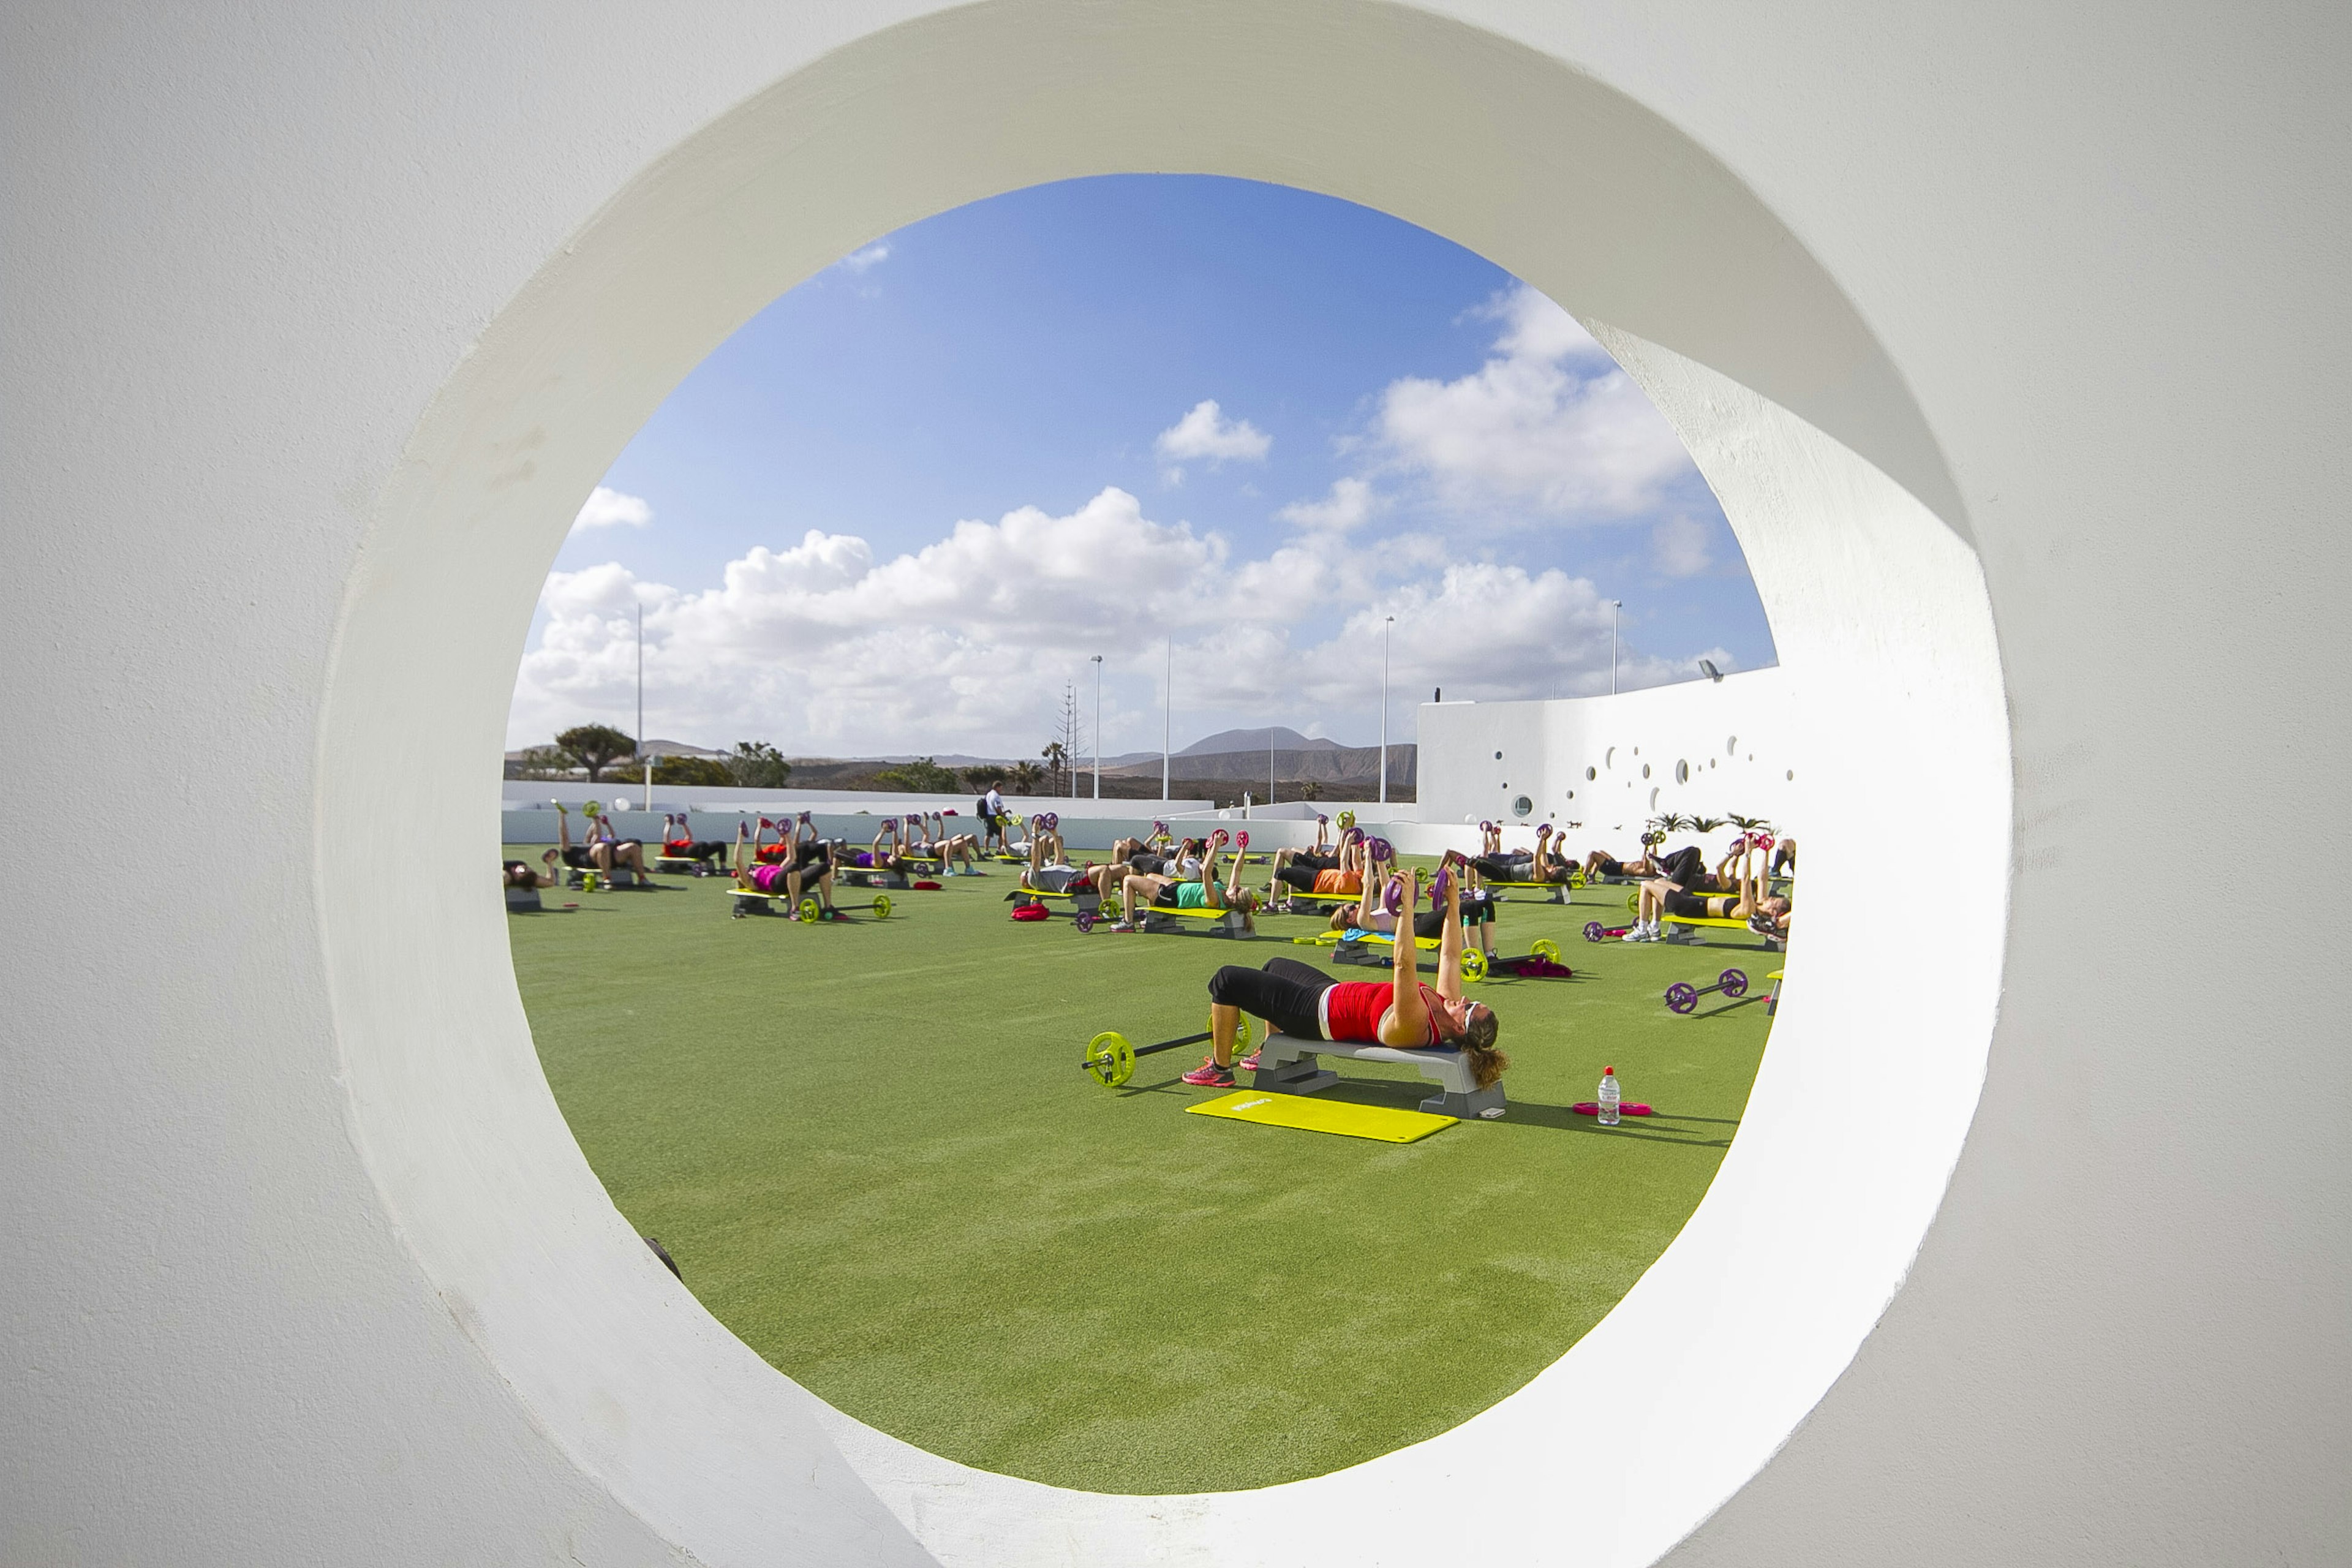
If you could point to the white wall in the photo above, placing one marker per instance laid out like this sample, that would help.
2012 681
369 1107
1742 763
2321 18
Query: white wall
1701 748
2014 340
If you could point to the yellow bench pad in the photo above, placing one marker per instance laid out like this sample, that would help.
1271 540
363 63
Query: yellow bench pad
1378 1123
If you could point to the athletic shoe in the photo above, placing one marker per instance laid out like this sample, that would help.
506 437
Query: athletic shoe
1638 933
1209 1074
1121 925
1248 1063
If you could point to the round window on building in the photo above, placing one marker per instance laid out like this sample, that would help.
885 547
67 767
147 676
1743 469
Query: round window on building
1646 770
1731 747
1522 806
1591 774
1681 773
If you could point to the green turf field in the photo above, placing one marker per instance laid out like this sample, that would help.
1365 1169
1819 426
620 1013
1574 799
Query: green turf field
872 1151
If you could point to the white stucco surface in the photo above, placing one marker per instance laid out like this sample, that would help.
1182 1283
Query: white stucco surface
2013 340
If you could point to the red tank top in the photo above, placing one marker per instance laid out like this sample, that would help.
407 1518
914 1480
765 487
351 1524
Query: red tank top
770 853
1353 1010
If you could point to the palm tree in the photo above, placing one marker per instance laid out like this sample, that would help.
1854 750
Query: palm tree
1749 824
1706 823
1058 759
1024 777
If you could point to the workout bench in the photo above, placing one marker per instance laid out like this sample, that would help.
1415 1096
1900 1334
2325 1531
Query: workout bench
1286 1065
1684 930
1555 893
1228 921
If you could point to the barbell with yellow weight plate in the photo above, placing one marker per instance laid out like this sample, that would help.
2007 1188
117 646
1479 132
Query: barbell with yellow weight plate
1110 1060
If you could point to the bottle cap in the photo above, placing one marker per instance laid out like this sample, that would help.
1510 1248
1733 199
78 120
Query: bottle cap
1608 1072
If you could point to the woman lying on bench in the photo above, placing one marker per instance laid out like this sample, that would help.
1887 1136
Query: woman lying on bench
1045 875
603 849
518 873
678 842
1600 863
1308 874
1476 910
1306 1003
928 838
1663 899
790 878
1163 892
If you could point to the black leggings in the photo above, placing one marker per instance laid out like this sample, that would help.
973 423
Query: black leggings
1286 993
1783 857
701 849
1298 875
1496 868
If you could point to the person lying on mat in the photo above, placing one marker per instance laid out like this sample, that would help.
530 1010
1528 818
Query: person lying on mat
1663 899
1306 1003
793 878
602 851
678 842
521 873
1180 861
1161 892
1326 855
1784 853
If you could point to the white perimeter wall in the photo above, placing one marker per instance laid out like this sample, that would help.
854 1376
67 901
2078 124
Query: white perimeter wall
1701 748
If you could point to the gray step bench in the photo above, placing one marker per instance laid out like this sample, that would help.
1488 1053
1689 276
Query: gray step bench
1286 1065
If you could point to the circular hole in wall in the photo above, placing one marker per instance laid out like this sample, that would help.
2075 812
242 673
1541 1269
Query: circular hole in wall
1731 747
455 1248
1609 758
1792 775
1681 771
1522 806
1646 770
1653 800
1498 756
1590 773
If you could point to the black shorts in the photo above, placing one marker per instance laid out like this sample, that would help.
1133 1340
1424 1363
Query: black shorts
1611 868
1685 868
1146 865
577 856
1286 993
1693 906
1496 868
1300 877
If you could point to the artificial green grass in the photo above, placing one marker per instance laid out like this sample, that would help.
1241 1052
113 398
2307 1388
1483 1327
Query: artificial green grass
874 1157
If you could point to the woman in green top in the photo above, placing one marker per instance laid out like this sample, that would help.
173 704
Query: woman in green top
1175 893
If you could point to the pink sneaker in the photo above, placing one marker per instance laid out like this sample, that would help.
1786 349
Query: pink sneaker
1209 1074
1248 1063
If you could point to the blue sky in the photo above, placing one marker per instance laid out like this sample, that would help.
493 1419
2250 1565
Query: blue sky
905 504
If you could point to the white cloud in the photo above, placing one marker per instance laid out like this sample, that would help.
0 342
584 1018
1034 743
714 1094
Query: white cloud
1679 547
962 644
1206 434
605 508
1547 424
863 260
1349 506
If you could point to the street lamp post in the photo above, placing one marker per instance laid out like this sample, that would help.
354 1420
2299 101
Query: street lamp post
1615 622
1098 726
1385 625
648 802
1167 716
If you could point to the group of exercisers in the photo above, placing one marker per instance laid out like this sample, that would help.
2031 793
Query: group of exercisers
1351 879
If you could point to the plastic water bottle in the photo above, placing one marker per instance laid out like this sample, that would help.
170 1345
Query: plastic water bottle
1608 1098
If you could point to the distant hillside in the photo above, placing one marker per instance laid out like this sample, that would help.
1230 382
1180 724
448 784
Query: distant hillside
1280 738
1344 766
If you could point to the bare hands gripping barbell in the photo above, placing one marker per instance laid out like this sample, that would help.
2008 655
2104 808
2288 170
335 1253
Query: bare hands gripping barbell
1110 1060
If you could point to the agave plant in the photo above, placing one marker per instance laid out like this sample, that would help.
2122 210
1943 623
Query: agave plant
1749 823
1708 824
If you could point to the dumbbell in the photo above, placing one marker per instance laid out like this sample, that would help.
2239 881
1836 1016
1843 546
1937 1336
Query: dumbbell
1682 996
1595 932
1110 1060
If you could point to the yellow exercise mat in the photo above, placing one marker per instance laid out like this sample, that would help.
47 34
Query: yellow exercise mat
1311 1115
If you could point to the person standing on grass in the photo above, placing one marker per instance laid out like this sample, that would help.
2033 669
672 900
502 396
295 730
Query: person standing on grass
1306 1003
